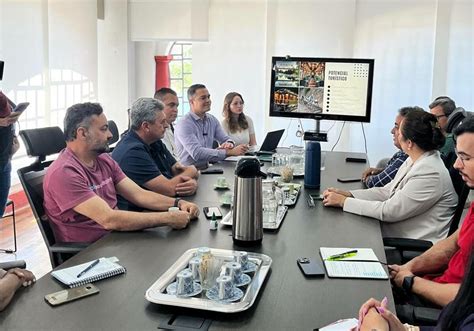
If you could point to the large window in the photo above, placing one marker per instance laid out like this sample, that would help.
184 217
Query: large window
181 74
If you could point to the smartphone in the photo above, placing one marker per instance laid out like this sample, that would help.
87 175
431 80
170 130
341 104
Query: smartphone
310 267
20 107
208 211
356 159
64 296
212 171
348 180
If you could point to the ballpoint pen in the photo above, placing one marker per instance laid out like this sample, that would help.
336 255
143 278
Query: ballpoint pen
343 255
92 265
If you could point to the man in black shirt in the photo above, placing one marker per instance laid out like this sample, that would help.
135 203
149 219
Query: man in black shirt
145 159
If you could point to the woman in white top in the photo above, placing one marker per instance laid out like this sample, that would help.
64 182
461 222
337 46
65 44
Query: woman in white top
235 123
420 201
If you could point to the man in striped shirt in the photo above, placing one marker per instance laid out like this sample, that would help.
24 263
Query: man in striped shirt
378 177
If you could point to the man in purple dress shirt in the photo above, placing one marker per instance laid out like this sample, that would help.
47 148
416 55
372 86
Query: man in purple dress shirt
196 132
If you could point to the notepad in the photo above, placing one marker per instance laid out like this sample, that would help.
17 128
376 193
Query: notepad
104 269
358 266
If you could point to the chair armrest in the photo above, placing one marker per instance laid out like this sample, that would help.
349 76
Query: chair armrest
426 316
13 264
408 244
71 248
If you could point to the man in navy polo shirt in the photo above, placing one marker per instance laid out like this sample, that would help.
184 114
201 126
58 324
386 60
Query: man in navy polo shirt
145 159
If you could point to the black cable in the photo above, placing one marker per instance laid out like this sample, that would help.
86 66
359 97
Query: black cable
333 123
338 138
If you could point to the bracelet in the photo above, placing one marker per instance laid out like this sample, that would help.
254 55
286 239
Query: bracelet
176 202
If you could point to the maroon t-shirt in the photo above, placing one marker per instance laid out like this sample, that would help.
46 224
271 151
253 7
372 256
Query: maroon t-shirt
68 183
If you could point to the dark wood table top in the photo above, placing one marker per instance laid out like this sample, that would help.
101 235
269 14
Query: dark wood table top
287 301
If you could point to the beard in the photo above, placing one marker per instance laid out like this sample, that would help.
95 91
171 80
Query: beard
102 149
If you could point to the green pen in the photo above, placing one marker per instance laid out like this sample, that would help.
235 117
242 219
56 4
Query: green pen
342 255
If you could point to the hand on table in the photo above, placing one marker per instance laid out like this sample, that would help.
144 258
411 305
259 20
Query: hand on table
189 207
188 186
333 197
26 277
373 312
398 273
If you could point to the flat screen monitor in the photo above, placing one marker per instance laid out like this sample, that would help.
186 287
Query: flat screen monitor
322 88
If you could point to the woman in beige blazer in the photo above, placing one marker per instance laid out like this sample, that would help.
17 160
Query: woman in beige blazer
420 201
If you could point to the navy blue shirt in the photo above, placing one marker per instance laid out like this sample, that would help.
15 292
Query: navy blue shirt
141 162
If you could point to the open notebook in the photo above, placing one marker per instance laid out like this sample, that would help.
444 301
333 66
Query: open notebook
364 264
104 269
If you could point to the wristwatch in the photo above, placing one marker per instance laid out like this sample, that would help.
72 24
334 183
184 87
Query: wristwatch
408 283
176 202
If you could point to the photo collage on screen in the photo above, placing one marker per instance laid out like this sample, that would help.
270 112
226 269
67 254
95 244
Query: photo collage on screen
299 86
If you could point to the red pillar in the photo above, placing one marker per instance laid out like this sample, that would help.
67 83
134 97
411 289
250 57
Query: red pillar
162 71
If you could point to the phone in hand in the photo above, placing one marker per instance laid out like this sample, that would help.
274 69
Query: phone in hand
349 180
20 107
209 211
64 296
310 267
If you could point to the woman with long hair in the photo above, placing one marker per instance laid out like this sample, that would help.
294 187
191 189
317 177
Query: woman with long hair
235 123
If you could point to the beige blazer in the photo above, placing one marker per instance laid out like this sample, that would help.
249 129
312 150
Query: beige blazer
418 203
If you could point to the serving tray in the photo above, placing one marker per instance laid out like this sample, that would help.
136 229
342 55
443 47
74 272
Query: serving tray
227 219
157 292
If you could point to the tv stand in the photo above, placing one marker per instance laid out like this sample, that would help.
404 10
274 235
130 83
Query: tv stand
316 135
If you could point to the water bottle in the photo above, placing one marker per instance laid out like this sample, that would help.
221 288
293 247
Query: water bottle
312 167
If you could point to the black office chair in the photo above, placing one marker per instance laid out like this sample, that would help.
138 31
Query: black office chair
115 134
41 143
12 215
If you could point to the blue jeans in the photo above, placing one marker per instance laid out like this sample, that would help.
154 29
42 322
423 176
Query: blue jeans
5 181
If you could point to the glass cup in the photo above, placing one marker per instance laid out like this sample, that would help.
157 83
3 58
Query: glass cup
221 181
296 159
184 282
272 197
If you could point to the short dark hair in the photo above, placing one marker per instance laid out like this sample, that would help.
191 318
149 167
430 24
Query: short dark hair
160 94
466 126
79 115
446 103
405 110
423 129
193 88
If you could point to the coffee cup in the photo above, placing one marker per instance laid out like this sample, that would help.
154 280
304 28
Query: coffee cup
227 198
242 258
234 270
224 287
221 181
184 282
194 265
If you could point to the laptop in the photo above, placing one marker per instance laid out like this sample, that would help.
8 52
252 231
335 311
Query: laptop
269 145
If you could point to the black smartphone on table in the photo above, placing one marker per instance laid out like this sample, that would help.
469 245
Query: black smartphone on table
209 211
310 267
211 171
348 180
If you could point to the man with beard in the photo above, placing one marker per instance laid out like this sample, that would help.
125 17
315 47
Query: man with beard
81 186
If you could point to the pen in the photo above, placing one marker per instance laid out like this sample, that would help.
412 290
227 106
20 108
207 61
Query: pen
310 201
92 265
343 255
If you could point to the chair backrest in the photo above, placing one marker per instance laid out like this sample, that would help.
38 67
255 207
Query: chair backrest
43 141
462 191
31 178
115 132
40 143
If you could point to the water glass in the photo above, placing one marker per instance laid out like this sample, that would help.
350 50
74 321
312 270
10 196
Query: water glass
296 159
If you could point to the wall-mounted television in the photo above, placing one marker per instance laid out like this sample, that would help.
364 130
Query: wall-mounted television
322 88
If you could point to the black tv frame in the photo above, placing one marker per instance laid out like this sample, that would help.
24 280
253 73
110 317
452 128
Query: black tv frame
322 116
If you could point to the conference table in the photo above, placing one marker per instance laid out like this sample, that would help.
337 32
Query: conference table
287 300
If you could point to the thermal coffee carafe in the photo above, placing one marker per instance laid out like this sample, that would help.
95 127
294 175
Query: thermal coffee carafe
247 222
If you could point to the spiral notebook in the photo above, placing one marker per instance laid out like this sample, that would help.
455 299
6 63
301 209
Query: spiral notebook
104 269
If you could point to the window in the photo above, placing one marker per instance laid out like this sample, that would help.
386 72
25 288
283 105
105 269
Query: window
181 74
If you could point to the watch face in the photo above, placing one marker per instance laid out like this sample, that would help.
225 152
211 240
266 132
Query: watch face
408 283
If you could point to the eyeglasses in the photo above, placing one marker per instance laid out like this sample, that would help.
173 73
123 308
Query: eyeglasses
462 157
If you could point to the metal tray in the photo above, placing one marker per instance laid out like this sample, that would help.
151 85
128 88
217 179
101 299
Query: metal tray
276 171
293 198
227 219
157 292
